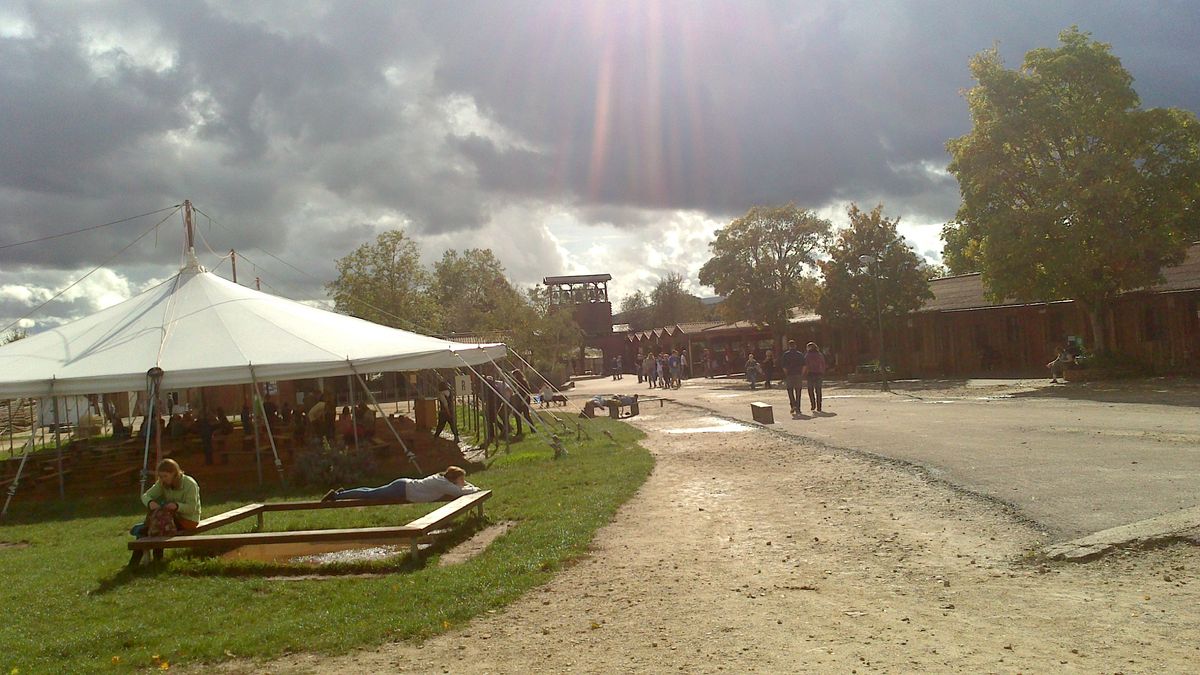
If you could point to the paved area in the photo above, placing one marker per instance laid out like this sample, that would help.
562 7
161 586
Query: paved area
1076 458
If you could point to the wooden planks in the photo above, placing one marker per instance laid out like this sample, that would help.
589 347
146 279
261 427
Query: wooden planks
417 529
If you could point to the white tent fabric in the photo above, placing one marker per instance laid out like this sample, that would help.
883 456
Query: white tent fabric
203 330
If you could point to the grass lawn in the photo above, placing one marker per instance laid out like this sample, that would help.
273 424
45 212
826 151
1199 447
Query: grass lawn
72 606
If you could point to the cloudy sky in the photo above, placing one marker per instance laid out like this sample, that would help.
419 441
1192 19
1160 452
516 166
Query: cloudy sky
569 137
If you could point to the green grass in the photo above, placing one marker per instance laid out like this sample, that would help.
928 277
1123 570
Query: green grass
74 608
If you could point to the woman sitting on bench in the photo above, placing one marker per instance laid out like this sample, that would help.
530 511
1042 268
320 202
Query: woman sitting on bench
174 504
450 483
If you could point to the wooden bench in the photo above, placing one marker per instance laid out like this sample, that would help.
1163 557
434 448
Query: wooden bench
416 532
616 408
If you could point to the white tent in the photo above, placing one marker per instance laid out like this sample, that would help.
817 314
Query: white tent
203 330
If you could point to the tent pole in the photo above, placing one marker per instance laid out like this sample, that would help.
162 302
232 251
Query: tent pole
62 488
12 487
554 443
10 429
353 412
259 409
403 446
154 379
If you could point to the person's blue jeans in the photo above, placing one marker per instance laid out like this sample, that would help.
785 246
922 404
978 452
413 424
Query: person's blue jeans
814 390
795 384
392 491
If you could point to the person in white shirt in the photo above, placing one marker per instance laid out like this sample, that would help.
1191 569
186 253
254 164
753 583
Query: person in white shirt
450 483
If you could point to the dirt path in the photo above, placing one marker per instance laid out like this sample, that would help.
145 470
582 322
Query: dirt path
749 551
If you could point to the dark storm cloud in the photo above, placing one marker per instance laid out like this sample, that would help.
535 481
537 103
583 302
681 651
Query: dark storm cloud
305 128
721 105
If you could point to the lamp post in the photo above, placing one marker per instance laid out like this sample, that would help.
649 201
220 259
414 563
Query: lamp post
868 260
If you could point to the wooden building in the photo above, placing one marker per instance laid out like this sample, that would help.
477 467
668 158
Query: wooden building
960 333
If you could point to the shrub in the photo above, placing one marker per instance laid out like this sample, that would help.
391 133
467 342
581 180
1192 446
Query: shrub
322 465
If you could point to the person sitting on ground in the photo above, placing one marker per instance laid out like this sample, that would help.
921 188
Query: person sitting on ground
175 428
345 426
174 505
224 426
366 420
450 483
1066 357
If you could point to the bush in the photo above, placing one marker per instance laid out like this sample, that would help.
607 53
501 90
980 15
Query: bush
322 465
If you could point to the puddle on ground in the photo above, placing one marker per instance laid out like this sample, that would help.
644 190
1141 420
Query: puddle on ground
713 425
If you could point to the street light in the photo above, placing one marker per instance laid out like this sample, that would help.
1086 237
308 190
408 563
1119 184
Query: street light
869 260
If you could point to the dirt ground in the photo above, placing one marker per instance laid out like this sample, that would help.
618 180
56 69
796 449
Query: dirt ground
751 550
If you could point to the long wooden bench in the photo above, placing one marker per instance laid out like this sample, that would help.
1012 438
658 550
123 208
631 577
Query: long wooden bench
415 533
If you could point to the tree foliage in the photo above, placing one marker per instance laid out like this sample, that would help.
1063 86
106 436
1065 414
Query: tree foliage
762 261
667 304
1069 188
636 310
383 282
849 293
473 292
670 303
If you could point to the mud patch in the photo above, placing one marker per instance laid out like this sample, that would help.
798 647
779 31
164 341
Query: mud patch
6 545
476 544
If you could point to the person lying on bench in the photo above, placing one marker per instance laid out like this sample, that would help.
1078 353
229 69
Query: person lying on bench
450 483
174 505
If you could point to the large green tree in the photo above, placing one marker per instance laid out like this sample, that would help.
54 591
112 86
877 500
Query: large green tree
762 262
670 303
1069 188
383 281
473 292
635 309
849 294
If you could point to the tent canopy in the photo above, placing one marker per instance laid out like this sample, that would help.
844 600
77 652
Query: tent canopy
203 330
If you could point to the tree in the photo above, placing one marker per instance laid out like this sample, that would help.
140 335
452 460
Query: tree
1069 188
670 303
761 262
384 282
472 291
636 310
849 295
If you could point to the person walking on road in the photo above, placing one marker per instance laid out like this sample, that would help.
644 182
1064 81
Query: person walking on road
814 370
792 363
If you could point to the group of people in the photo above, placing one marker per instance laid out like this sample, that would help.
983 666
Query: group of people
505 407
664 370
799 367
